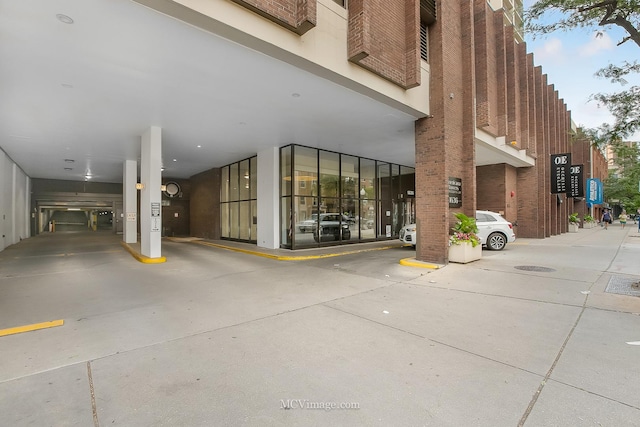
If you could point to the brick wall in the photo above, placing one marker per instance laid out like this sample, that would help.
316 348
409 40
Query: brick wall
204 209
495 184
298 16
444 142
384 37
179 225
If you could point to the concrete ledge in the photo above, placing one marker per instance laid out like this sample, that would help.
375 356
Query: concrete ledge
32 327
412 262
142 258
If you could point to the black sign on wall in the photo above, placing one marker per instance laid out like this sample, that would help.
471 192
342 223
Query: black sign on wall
577 181
455 192
560 169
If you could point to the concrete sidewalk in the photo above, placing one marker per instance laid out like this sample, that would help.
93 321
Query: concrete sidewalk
525 336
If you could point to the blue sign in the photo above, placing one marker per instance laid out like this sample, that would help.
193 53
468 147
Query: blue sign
594 191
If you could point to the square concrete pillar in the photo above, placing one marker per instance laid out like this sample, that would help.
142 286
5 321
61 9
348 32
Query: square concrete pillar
151 195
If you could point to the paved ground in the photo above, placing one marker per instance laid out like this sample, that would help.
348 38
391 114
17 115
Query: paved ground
216 337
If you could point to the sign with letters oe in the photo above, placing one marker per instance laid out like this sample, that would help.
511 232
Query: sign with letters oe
577 179
560 169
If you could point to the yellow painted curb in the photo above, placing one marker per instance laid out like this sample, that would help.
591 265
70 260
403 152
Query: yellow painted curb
288 257
33 327
412 262
142 258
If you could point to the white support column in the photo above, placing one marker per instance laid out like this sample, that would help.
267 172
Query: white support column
150 195
130 199
269 198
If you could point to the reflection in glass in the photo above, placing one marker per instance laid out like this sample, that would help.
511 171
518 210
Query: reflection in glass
306 171
341 198
224 182
245 180
233 182
237 195
254 221
224 220
349 173
368 219
367 179
245 216
234 229
306 221
329 174
286 222
285 171
253 172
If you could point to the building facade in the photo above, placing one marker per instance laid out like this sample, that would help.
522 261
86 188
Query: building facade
429 94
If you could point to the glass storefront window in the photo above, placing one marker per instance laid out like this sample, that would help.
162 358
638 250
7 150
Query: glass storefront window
234 218
234 194
305 171
253 181
285 171
245 180
338 198
286 223
367 179
306 220
367 219
224 180
245 220
349 174
329 174
224 220
238 191
254 220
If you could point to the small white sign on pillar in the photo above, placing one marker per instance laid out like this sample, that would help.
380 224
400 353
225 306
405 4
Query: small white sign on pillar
155 217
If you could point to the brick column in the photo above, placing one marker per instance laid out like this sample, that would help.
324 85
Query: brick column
444 142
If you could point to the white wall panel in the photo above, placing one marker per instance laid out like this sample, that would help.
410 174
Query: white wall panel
14 202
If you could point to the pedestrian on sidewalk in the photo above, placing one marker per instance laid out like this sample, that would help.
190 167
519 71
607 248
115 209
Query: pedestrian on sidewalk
623 218
606 218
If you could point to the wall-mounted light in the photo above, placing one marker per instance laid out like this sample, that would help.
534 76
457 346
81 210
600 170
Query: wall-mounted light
139 186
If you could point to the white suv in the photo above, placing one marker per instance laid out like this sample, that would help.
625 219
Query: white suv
494 231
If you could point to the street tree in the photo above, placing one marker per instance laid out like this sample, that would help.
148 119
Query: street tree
547 16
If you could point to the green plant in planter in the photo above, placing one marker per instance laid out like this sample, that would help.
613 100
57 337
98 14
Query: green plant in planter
573 218
588 218
464 231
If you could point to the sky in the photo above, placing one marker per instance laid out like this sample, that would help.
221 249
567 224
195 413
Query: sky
571 59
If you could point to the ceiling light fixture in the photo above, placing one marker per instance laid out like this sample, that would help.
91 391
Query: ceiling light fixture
68 169
198 146
64 18
175 160
295 95
69 160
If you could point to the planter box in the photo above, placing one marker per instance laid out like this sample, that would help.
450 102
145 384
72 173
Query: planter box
573 228
464 253
588 225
